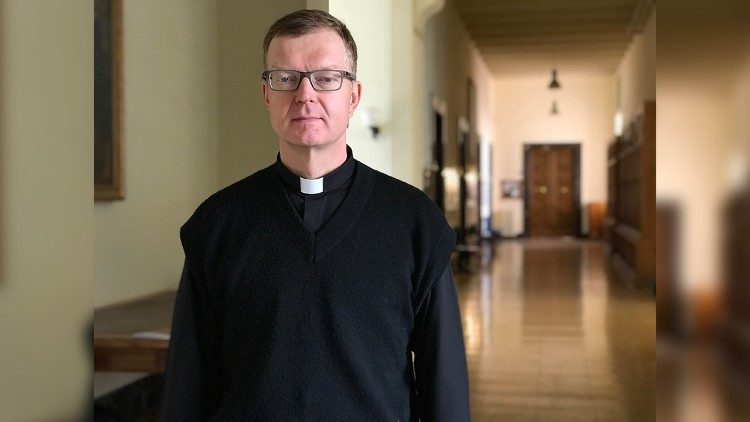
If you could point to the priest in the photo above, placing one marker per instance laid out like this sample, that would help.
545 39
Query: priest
317 288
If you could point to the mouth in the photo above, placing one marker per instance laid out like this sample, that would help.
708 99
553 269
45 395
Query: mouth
305 119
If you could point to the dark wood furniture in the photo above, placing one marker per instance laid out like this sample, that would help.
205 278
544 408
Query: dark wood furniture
629 228
134 336
669 307
736 254
596 211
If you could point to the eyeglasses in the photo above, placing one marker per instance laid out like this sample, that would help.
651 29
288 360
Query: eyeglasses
321 80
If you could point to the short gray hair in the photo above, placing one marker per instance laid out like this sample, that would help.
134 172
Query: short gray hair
303 22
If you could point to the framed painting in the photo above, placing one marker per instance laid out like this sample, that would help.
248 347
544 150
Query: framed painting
108 157
511 189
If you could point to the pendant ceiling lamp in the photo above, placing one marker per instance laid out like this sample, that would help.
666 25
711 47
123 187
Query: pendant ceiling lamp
554 84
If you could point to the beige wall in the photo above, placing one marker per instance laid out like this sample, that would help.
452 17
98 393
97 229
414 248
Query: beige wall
46 165
703 149
694 146
738 171
523 104
405 63
449 60
370 25
246 141
170 132
636 73
391 64
170 151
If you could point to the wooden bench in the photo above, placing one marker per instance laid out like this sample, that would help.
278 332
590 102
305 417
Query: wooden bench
134 336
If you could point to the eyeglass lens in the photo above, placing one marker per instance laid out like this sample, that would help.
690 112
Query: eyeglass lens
321 80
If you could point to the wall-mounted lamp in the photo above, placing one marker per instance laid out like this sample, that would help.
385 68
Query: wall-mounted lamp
555 111
373 118
554 83
619 124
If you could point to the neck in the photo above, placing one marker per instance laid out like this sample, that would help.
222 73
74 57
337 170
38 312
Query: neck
312 162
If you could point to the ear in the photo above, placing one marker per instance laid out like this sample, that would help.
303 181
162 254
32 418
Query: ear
264 89
356 95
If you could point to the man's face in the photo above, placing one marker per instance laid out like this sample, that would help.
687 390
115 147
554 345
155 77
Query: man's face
306 117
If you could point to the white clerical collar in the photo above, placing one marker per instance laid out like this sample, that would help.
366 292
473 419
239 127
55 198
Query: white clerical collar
295 184
311 185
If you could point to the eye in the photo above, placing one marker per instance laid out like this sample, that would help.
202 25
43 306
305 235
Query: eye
327 78
284 78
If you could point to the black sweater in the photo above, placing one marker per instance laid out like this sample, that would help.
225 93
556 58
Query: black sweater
273 322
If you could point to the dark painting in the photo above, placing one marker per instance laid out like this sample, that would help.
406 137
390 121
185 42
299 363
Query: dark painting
108 178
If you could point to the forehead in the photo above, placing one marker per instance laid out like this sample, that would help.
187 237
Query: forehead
316 50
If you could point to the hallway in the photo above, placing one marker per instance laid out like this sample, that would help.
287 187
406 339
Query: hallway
552 335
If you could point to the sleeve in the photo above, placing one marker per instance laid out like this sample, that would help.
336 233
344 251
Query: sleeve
439 356
192 384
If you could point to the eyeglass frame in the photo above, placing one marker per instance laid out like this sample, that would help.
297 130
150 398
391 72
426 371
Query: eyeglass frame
303 75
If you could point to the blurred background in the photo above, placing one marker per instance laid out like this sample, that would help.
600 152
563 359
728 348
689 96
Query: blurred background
703 209
623 297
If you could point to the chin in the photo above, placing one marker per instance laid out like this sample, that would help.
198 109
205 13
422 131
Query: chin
310 138
308 142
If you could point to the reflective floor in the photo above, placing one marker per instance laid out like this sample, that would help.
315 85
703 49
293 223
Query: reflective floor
552 335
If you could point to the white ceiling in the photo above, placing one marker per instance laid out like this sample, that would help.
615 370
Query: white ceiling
529 36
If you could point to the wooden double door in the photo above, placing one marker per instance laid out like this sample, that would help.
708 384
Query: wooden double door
552 203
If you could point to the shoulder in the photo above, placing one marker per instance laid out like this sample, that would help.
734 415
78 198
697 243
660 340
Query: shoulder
216 210
402 205
395 189
402 198
408 213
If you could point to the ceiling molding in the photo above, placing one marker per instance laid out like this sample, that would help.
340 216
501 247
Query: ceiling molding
590 35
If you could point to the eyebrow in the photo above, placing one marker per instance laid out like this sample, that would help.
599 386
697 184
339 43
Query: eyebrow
278 67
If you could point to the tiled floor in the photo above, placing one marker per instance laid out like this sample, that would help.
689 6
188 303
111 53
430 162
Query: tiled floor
552 335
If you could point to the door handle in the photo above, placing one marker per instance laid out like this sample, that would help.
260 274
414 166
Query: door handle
564 189
542 189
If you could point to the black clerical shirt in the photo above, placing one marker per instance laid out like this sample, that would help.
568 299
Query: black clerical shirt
195 387
440 363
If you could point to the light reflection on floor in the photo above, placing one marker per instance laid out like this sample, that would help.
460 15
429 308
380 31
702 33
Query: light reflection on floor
550 335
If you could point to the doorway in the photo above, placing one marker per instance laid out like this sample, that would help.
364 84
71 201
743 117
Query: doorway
468 164
433 182
552 201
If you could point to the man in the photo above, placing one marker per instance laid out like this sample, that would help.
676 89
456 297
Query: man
316 288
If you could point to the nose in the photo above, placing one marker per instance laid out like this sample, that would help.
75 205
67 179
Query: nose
305 92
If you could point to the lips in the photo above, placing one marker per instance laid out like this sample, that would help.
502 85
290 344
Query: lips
305 119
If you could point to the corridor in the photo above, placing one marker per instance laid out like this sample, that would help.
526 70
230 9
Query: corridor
551 334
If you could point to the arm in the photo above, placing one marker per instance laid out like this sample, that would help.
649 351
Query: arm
192 379
440 359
